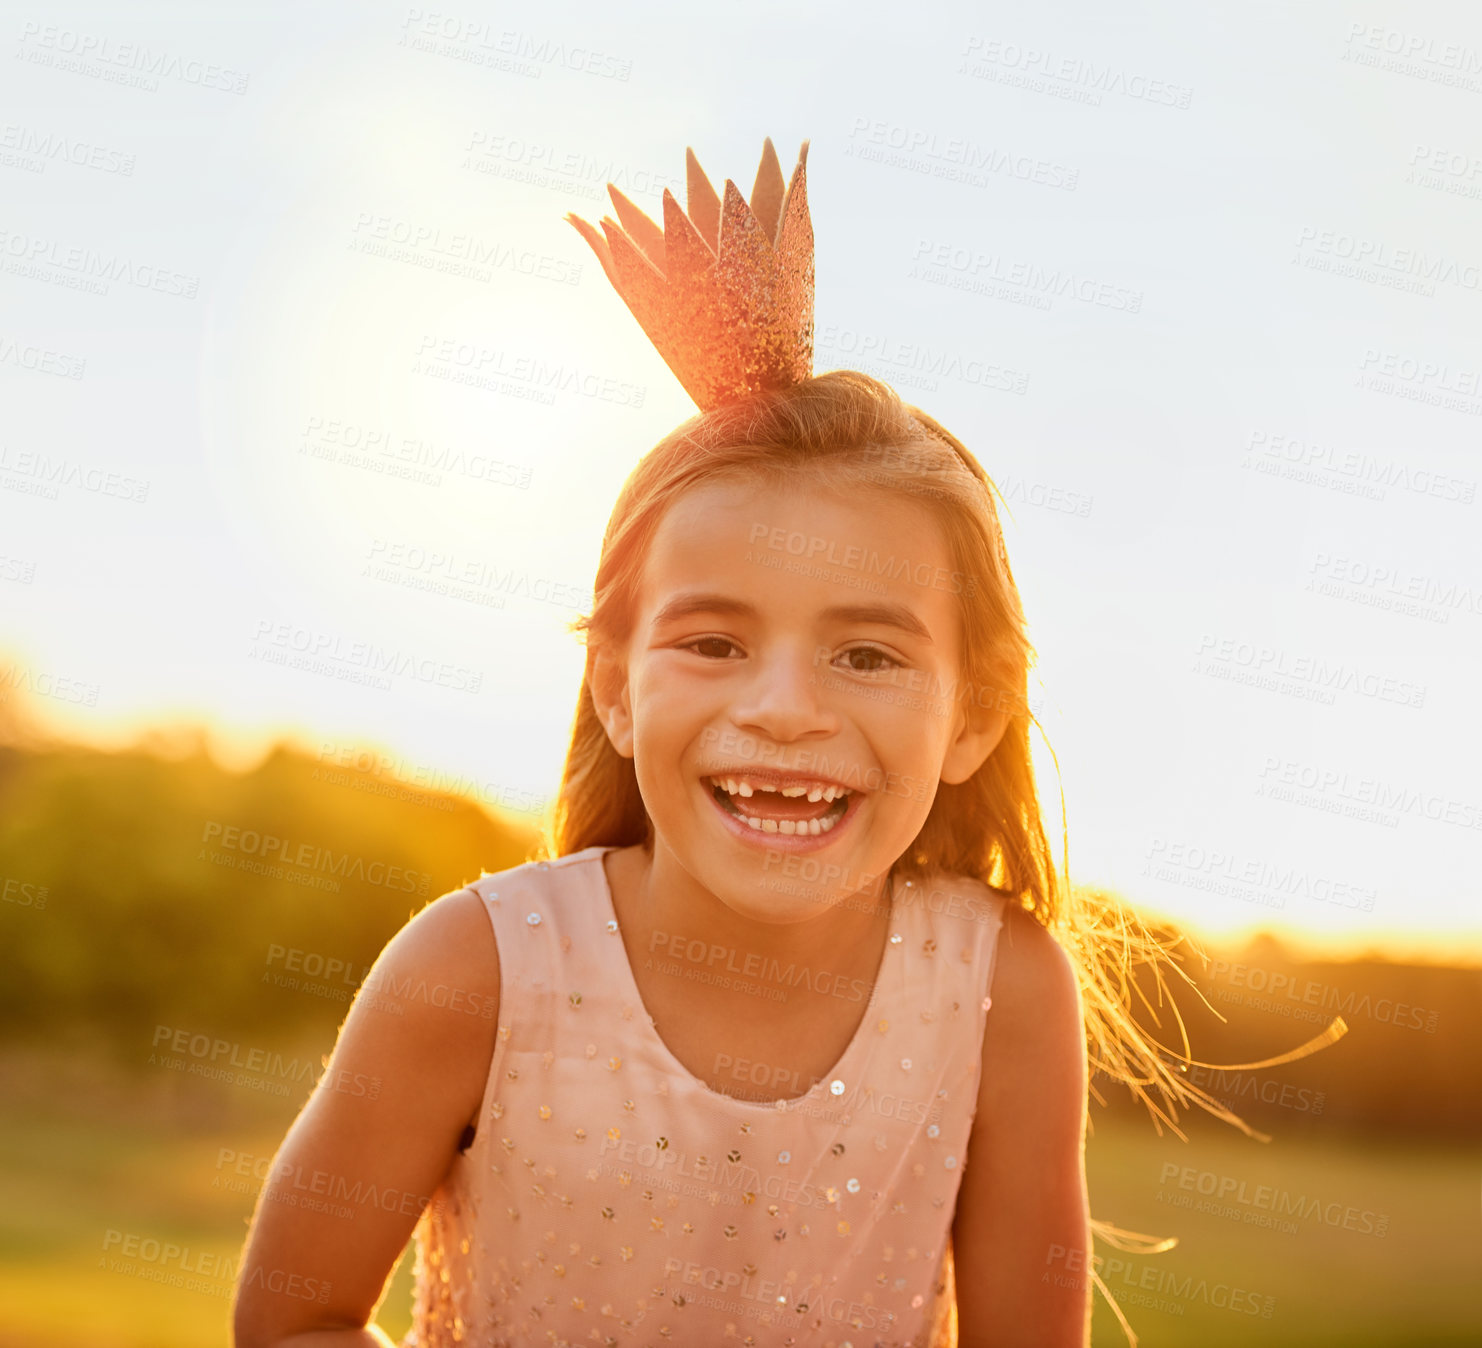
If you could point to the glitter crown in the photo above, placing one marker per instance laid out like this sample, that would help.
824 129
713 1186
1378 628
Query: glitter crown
725 292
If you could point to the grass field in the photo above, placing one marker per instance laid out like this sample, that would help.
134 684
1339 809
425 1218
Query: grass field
1324 1277
105 1159
88 1165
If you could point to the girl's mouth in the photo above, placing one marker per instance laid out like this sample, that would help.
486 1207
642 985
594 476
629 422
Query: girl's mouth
806 809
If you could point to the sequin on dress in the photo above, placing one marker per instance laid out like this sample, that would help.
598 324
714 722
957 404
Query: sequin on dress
609 1197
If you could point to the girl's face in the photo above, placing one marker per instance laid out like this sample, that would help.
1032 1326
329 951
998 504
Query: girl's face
802 641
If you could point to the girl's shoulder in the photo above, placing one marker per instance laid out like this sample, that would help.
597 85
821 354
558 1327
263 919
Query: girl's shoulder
1035 989
550 884
446 953
456 935
1034 1040
1028 962
955 895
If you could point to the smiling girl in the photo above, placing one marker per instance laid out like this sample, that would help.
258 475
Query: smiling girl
784 1040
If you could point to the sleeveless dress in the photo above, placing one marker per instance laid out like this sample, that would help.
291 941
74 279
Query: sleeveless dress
610 1197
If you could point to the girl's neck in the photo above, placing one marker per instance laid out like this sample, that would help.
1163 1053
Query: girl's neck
658 901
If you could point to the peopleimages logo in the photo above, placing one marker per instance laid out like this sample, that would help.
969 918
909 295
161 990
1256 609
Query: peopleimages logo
509 49
952 157
915 362
1289 994
1342 792
1072 77
41 359
705 955
1357 472
1253 1203
1377 260
860 557
329 653
90 268
1150 1285
47 473
127 63
1311 676
270 847
214 1058
28 146
1226 871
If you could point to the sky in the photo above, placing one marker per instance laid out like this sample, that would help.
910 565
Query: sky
298 359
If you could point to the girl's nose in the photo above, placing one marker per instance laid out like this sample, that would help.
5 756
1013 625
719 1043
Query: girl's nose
785 699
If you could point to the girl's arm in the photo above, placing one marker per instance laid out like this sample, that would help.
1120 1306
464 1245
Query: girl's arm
376 1137
1021 1237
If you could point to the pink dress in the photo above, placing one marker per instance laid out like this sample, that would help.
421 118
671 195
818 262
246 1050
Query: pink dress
610 1197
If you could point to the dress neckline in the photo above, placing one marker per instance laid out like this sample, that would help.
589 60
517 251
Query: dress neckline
837 1075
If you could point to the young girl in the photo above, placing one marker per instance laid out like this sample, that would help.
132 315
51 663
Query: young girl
778 1044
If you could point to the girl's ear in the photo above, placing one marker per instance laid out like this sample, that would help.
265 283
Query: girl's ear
608 681
976 738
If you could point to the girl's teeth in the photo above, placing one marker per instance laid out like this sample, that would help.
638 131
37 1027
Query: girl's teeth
804 826
735 786
811 827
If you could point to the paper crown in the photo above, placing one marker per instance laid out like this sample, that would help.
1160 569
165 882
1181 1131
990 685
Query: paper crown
725 292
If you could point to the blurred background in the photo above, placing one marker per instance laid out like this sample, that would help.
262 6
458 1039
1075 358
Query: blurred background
313 412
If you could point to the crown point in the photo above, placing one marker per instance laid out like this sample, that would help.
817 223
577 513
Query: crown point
643 231
687 254
703 203
768 191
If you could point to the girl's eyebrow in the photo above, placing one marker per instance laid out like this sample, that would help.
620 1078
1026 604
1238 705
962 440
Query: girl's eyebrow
883 614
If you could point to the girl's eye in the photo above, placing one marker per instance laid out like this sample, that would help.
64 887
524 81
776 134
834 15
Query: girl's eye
873 652
709 641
